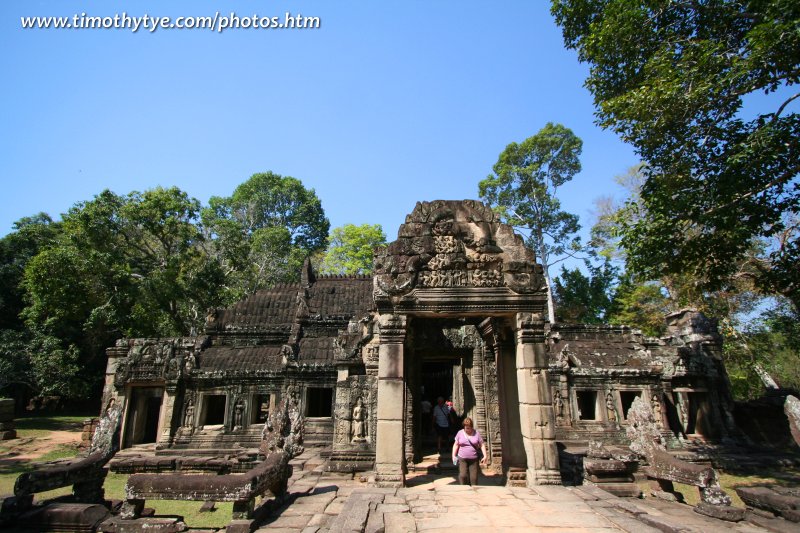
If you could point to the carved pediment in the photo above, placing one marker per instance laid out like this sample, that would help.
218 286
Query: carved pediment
455 244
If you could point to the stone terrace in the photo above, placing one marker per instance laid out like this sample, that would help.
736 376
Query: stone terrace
322 502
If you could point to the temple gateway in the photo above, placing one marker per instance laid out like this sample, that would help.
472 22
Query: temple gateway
456 308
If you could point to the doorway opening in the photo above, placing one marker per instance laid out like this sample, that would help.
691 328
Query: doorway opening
143 415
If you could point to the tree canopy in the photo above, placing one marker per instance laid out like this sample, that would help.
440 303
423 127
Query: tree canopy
524 186
139 265
702 90
263 232
350 249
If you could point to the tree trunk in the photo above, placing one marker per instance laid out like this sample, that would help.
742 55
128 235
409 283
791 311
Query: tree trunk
551 308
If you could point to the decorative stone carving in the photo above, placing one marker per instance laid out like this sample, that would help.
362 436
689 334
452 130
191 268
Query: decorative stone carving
359 422
238 414
347 346
188 415
281 441
558 404
611 408
448 244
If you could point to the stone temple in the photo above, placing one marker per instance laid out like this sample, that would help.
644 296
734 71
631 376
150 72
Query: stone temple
456 308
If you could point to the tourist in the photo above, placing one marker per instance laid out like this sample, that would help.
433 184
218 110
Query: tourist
469 450
441 423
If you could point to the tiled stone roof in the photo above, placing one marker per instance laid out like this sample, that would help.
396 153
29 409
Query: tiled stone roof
273 306
242 358
340 296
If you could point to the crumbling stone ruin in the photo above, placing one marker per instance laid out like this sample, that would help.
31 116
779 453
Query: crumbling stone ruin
86 474
281 442
646 441
456 308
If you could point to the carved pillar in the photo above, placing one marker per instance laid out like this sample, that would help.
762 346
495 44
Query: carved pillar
490 356
110 391
390 453
169 418
537 419
480 393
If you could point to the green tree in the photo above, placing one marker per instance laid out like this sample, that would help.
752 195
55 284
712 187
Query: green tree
29 236
523 189
583 298
673 78
771 342
264 231
350 249
131 265
640 305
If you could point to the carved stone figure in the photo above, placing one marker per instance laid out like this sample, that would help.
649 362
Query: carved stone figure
359 422
611 409
656 405
191 362
188 416
238 411
558 404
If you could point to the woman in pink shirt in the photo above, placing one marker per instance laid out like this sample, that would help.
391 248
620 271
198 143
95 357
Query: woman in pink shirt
466 450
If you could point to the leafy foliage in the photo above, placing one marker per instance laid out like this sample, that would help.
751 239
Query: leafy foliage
523 189
771 342
585 299
30 235
263 232
350 249
641 305
672 79
139 265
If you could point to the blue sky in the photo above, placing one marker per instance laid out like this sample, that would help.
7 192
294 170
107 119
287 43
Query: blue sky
387 103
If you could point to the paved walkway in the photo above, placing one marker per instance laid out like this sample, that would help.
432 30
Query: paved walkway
323 502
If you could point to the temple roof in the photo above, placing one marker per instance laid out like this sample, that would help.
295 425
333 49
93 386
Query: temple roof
268 307
340 296
240 358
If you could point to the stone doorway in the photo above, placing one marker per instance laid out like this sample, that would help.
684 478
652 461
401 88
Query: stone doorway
144 416
447 362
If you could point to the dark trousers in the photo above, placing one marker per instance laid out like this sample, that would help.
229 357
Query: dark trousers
468 471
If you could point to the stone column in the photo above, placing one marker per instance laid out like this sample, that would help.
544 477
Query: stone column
537 418
170 419
390 453
110 391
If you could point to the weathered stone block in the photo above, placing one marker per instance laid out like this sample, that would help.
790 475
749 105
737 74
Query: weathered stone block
391 366
390 442
65 517
541 454
721 512
389 351
391 393
623 490
767 499
533 387
536 421
526 356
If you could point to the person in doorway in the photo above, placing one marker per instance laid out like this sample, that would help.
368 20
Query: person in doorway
469 450
441 423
